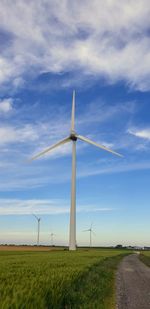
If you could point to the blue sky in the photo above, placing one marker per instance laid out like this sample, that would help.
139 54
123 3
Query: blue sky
102 50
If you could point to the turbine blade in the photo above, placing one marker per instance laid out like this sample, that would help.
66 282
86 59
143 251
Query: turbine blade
87 140
85 230
63 141
73 112
35 216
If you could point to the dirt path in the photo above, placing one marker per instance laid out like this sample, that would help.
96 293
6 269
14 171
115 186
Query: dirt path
133 284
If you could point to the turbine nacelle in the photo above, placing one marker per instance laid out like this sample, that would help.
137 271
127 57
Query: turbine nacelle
73 137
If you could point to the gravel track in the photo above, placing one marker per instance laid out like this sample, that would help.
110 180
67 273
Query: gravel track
133 284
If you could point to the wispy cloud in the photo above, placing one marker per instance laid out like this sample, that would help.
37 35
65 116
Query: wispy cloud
122 167
97 38
39 174
34 135
24 137
53 207
101 112
142 133
19 143
10 134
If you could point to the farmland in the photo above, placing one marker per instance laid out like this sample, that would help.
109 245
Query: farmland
58 279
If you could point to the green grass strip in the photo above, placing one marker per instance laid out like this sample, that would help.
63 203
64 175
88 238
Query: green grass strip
145 259
93 289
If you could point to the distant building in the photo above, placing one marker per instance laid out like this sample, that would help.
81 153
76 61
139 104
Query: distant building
146 248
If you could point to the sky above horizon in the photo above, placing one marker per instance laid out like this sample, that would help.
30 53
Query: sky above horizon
102 50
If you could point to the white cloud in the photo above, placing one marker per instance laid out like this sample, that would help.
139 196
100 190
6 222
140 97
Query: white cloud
145 133
42 134
100 38
11 134
6 105
53 207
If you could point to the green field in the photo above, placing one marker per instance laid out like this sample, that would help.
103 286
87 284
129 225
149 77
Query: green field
58 279
145 257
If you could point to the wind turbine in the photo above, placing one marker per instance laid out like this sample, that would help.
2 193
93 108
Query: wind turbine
91 232
73 137
38 230
52 238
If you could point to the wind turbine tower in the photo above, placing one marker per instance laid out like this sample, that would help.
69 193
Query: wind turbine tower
38 229
73 137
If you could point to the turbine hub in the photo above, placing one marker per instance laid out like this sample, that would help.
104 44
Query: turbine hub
73 136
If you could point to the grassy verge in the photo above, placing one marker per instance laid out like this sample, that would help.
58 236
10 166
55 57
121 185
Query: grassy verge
57 280
145 257
94 288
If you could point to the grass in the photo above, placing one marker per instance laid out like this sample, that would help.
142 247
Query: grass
145 257
58 279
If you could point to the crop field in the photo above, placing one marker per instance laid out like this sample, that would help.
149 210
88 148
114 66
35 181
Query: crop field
145 257
58 279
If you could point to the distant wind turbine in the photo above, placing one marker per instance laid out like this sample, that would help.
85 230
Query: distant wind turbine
73 137
91 232
38 230
52 238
